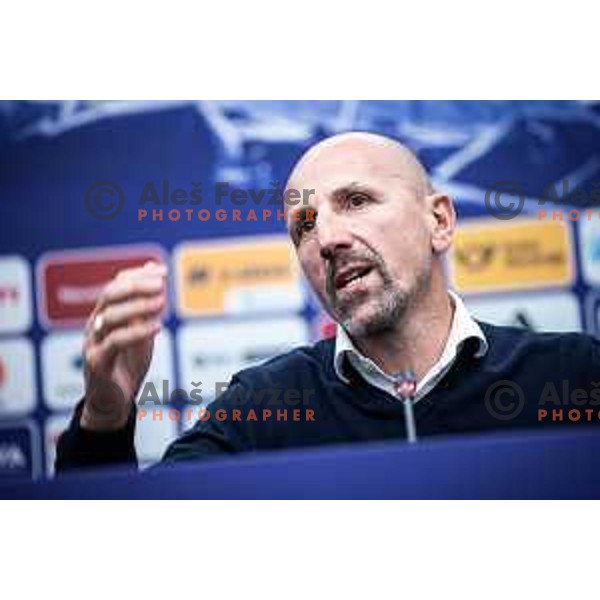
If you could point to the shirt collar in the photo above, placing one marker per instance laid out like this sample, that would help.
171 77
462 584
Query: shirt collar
463 327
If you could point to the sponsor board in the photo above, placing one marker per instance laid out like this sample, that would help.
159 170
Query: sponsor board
20 452
15 295
62 369
62 361
212 352
153 434
490 256
237 277
17 377
69 282
55 425
161 366
592 304
544 311
589 246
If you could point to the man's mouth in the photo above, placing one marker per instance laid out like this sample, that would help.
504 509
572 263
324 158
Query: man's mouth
351 276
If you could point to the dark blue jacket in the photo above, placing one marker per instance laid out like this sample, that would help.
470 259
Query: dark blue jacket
526 380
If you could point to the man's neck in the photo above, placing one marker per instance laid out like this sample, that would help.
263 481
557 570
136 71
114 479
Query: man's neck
417 342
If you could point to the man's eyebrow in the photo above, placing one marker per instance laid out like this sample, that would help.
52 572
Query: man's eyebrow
351 188
337 194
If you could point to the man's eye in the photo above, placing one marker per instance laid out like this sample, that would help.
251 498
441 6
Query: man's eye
357 200
302 228
307 225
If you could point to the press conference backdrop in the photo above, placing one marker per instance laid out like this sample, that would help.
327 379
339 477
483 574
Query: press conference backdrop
74 175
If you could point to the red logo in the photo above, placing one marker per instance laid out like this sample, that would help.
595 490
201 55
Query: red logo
70 282
8 293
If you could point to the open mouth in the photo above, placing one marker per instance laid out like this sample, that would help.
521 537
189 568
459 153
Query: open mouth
352 276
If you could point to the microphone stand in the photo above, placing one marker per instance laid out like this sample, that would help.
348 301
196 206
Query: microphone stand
405 388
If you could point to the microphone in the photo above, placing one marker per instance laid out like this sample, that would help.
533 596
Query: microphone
405 387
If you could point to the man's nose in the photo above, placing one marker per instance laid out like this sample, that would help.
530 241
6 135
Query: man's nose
332 234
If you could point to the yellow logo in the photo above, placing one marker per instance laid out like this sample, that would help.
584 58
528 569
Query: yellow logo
251 276
491 256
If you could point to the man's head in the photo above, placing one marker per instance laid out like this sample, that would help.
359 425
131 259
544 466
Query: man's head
370 242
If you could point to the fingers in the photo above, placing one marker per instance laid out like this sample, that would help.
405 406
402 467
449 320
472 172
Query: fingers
142 282
102 353
125 336
131 306
119 341
120 315
148 280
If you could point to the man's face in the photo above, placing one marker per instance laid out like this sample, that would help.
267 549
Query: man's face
366 247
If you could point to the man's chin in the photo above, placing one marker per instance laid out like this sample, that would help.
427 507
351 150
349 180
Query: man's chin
361 322
371 318
352 306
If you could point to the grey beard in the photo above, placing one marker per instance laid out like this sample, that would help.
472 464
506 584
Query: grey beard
389 312
392 306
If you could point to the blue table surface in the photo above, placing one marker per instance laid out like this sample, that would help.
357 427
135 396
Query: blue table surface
559 465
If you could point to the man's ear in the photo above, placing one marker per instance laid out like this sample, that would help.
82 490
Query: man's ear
443 219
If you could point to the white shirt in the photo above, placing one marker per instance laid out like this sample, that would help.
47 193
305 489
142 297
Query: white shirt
463 328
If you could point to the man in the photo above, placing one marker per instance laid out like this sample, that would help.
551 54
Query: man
408 360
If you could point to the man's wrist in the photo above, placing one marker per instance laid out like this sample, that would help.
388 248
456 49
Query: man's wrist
100 421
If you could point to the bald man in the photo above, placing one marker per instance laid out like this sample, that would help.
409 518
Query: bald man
372 249
408 360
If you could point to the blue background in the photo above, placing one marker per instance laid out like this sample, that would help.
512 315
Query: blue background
51 152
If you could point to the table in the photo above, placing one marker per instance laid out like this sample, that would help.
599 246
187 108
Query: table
517 465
